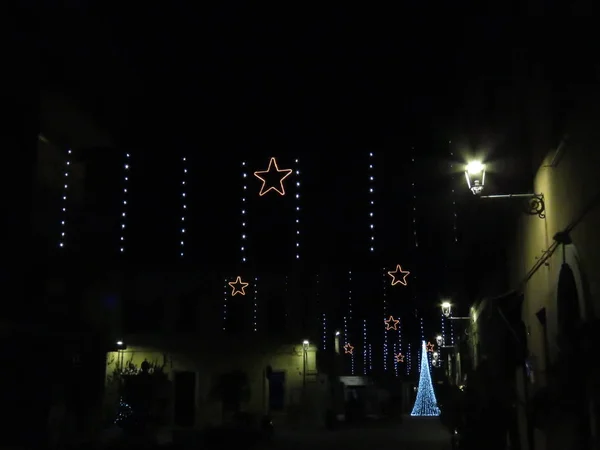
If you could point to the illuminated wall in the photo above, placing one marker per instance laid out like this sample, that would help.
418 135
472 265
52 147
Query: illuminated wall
253 358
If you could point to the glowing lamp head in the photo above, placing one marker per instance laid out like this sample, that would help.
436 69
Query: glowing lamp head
439 339
475 175
446 309
120 343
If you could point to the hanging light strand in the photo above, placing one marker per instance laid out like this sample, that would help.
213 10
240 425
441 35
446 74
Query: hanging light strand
345 330
323 318
414 200
350 313
453 196
400 342
297 210
443 334
65 195
414 222
346 333
124 203
385 316
225 294
422 338
183 208
324 323
365 348
451 329
255 308
371 202
244 214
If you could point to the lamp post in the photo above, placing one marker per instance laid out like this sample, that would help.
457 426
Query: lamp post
475 175
120 347
305 345
447 311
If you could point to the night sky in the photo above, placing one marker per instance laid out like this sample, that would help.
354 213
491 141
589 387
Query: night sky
231 85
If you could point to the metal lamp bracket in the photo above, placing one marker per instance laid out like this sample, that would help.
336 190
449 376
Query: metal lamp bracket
535 205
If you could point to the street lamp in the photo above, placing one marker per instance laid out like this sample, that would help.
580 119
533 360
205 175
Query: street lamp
305 344
447 310
439 340
475 175
120 353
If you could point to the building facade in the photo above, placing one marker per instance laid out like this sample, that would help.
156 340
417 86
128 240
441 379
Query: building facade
190 325
540 330
42 328
556 259
278 380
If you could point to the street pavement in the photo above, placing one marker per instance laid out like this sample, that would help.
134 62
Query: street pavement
414 433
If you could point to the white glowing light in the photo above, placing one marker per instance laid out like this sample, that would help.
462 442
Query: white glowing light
243 255
183 207
63 222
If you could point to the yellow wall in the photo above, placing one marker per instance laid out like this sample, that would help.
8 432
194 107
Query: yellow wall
568 187
208 366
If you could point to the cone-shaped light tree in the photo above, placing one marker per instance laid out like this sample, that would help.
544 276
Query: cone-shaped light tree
425 404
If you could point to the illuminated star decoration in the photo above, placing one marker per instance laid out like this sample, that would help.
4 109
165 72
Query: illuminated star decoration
429 347
238 286
399 276
389 322
399 358
348 349
281 173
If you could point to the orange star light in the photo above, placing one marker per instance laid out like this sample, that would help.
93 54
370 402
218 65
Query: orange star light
348 349
399 358
397 274
238 286
429 347
390 321
281 173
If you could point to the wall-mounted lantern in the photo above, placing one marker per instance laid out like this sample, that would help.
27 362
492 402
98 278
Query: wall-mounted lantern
446 309
475 175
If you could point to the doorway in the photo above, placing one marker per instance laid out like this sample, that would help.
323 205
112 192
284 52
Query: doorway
569 320
277 391
185 399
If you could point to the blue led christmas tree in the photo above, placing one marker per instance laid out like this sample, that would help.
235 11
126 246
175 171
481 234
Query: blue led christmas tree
124 413
426 403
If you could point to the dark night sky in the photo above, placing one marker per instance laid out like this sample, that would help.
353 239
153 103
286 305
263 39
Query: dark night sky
232 84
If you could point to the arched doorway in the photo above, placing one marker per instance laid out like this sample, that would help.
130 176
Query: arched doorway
571 383
568 312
